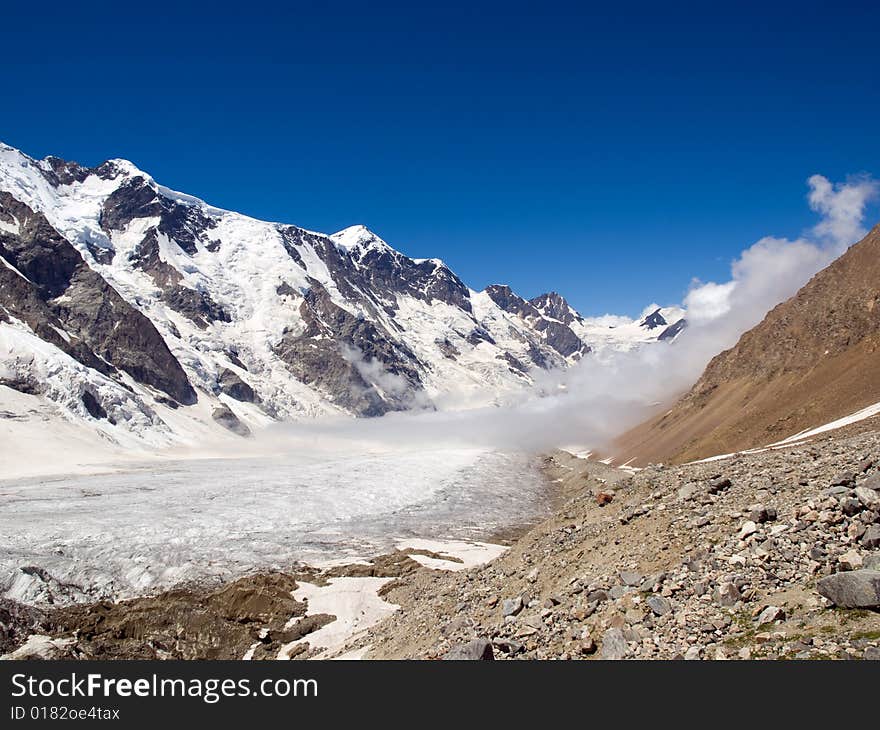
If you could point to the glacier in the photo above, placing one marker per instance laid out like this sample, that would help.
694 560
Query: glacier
151 526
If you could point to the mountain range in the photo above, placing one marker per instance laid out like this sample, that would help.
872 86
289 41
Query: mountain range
145 315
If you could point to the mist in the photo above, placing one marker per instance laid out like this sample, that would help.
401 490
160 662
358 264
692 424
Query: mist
603 395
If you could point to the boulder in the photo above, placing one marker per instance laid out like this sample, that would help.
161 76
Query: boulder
659 605
760 513
850 560
727 595
770 614
719 484
868 497
871 538
511 606
614 645
844 479
850 506
476 650
630 577
508 646
852 589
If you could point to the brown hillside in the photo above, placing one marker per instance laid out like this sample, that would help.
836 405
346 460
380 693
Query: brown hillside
813 359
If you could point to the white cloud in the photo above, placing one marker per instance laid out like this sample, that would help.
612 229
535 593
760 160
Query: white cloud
608 320
842 207
707 301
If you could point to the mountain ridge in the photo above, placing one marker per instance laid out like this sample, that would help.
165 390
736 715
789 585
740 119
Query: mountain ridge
303 323
813 359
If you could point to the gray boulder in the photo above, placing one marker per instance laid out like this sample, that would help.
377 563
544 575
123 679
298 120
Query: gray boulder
659 605
868 497
719 485
770 614
614 645
630 578
852 589
511 606
844 479
871 538
476 650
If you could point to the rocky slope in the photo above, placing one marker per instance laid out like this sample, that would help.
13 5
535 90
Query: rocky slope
813 359
768 555
148 316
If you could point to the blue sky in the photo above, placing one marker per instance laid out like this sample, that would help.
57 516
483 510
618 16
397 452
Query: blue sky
611 154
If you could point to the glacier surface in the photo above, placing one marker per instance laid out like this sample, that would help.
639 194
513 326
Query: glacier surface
152 526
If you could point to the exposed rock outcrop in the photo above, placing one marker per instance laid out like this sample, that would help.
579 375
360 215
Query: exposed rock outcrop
233 386
48 285
223 415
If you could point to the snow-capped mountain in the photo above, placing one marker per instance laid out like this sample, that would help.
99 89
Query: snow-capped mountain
144 313
613 332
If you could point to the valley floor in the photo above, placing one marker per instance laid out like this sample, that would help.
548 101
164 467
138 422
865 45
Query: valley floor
715 560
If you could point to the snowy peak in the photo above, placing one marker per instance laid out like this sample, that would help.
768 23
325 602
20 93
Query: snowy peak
554 333
612 332
359 238
511 302
653 320
554 306
672 331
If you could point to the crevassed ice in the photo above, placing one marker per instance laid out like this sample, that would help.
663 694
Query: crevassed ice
145 528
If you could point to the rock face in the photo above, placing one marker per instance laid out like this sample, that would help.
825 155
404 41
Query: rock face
812 360
672 331
49 286
653 320
233 386
556 333
357 363
852 589
554 306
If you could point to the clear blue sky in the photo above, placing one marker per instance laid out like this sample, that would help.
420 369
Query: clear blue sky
609 152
